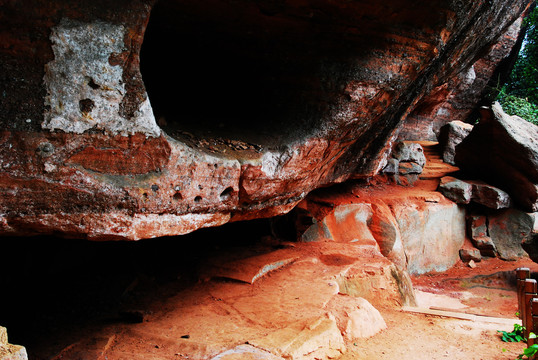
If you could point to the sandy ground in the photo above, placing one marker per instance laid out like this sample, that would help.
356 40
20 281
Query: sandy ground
486 290
81 302
431 337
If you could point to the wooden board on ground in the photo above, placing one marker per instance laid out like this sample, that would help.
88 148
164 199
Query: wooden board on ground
462 316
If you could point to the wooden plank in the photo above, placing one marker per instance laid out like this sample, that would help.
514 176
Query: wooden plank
462 316
464 312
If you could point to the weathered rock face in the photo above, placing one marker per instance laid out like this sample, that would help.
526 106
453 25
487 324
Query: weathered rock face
267 101
503 150
509 229
530 245
450 135
477 227
417 234
432 234
9 351
463 192
460 98
504 233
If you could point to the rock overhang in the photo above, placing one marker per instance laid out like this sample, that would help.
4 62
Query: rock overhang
266 101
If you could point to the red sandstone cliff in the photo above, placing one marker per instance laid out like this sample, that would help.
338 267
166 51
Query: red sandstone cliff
251 105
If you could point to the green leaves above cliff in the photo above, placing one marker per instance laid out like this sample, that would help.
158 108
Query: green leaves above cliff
521 107
520 95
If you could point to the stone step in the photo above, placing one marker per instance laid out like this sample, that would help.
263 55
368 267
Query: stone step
435 166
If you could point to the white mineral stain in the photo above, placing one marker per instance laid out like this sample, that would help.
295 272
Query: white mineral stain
84 90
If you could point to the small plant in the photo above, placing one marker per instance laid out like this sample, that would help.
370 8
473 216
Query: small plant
531 350
515 335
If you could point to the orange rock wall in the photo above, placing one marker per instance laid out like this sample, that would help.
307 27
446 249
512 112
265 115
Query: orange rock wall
85 152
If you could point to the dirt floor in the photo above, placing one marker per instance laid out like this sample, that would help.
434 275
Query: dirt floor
488 289
148 300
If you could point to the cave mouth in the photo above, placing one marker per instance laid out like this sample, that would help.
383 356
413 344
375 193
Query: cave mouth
65 291
234 72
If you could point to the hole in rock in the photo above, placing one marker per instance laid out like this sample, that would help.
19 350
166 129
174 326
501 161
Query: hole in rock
226 194
231 72
91 83
86 105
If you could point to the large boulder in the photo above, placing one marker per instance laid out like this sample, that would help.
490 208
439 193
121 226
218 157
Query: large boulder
418 236
490 196
506 233
456 190
432 233
270 100
463 192
503 150
509 229
451 135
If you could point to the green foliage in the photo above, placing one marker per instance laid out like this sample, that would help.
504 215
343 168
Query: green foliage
519 96
531 350
515 335
523 108
523 81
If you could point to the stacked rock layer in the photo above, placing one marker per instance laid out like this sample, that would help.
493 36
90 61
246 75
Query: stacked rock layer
265 102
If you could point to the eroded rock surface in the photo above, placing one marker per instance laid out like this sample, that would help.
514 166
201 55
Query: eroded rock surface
504 233
429 229
419 231
510 229
503 150
465 191
450 135
270 101
460 98
9 351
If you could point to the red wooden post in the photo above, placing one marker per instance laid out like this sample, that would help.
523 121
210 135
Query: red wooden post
521 275
531 290
534 326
